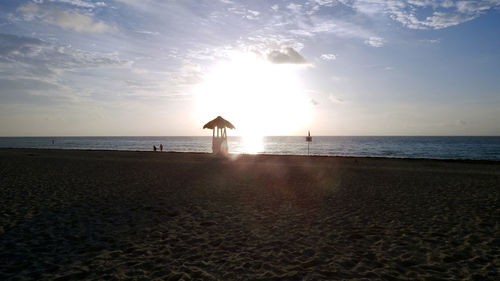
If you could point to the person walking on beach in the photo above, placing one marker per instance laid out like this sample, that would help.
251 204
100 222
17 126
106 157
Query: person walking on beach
161 147
154 148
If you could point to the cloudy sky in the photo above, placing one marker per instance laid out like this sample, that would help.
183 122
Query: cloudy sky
336 67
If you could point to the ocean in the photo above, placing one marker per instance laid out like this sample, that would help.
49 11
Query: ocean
476 148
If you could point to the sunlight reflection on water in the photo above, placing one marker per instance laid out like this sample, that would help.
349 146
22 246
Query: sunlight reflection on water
252 144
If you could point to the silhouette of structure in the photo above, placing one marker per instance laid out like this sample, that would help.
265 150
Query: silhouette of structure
309 139
219 138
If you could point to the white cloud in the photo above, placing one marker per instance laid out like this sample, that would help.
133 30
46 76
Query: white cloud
315 25
375 42
77 22
255 13
447 4
430 41
35 71
80 3
325 2
443 13
34 56
264 43
328 57
296 8
307 25
252 15
64 19
335 99
324 26
147 32
29 11
189 73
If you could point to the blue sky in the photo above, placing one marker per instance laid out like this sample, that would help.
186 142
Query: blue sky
336 67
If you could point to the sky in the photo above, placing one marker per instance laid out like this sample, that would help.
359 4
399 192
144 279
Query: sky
334 67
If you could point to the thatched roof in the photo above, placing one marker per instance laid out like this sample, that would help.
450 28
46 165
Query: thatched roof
218 122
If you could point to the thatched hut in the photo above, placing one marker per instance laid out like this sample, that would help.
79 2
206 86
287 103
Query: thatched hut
219 135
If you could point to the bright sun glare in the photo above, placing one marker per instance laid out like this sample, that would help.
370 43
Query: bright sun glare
260 98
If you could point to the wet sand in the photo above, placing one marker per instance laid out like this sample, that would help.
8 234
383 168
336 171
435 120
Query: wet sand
85 215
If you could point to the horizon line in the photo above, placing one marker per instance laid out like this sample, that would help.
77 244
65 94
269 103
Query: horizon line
160 136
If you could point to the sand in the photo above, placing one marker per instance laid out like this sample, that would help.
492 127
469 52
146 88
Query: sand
97 215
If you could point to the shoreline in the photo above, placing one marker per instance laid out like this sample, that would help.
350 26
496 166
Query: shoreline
482 161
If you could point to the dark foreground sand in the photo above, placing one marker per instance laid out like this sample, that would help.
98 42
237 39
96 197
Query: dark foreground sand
73 215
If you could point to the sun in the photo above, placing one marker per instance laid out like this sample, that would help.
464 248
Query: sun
260 98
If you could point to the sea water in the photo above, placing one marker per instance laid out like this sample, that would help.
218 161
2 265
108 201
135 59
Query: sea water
479 148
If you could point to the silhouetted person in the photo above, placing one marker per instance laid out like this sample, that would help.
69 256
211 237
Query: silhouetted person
154 148
161 147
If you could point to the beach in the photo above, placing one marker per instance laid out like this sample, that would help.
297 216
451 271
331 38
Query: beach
117 215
